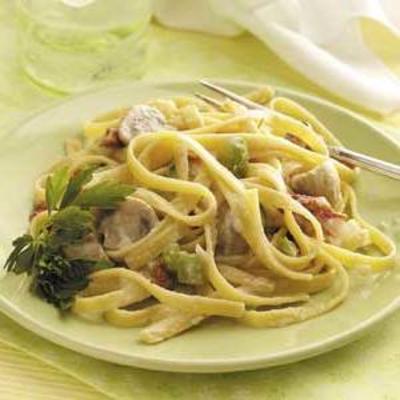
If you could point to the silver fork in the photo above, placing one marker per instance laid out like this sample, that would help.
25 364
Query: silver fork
339 153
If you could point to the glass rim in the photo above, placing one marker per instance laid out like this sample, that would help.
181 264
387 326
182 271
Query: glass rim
27 9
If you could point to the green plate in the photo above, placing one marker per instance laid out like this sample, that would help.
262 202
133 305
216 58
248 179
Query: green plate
216 346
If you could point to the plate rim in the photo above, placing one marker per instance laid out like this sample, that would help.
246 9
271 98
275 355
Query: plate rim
198 365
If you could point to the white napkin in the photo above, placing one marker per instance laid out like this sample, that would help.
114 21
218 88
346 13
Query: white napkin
319 38
196 15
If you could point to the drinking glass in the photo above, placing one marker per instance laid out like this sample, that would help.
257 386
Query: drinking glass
71 45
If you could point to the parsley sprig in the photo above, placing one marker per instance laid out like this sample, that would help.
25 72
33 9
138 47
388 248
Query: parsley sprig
55 278
63 191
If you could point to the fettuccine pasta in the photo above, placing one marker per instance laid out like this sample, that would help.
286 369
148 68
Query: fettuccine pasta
233 215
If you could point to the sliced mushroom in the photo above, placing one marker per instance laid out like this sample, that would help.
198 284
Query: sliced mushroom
229 240
321 181
88 249
140 118
131 221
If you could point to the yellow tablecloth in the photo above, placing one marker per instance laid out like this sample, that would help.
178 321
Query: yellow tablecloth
31 368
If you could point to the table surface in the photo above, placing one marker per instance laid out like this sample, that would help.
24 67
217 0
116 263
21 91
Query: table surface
32 368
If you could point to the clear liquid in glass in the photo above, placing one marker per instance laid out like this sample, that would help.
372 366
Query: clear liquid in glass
72 48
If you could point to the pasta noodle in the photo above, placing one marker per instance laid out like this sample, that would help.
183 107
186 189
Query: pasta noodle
236 214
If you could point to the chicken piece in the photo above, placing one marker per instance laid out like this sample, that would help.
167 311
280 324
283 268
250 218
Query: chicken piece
321 181
131 221
88 249
140 118
229 240
347 234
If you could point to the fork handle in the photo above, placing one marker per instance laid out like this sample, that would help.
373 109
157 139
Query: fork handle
363 161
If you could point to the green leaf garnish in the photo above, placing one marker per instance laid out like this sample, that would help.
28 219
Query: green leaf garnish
21 257
103 195
70 225
103 264
76 183
55 187
56 278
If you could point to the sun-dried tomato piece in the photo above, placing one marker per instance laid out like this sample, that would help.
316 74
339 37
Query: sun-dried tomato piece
161 276
320 207
111 139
